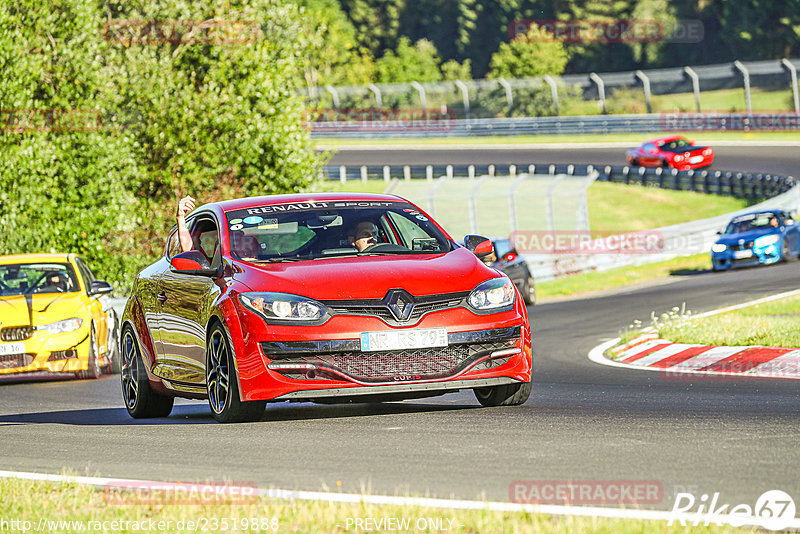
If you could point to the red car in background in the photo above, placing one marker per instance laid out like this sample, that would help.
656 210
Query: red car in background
275 303
671 151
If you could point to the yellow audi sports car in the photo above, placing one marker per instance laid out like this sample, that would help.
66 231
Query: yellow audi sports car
55 317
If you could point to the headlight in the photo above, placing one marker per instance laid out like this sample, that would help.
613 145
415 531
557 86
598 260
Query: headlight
492 294
718 247
62 327
766 240
284 307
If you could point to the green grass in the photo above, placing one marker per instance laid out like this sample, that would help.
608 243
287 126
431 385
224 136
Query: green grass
584 284
725 100
773 324
32 501
619 208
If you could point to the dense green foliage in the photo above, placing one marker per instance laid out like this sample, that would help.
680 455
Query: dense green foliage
141 119
533 54
475 29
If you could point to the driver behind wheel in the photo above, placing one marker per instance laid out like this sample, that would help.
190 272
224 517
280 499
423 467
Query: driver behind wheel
57 281
363 235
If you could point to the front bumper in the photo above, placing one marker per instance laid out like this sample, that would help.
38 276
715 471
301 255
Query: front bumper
687 165
729 259
45 352
335 366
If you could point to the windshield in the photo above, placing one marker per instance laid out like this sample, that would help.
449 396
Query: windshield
312 230
25 278
677 144
758 221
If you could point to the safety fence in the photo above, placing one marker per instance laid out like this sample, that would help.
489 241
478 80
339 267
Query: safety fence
490 98
543 208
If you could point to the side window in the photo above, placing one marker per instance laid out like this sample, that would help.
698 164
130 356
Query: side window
206 238
85 272
408 230
173 244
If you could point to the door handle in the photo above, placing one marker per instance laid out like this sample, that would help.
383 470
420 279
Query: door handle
162 297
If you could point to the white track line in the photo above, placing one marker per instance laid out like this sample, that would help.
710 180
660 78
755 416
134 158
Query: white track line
597 354
451 504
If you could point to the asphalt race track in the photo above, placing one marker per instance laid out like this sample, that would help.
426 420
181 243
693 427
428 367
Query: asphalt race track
583 421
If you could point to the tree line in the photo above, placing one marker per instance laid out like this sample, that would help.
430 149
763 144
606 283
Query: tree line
365 41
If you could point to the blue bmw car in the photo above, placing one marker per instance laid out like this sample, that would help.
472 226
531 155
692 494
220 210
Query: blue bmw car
757 238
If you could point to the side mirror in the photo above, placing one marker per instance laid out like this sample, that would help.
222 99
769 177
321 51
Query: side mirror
719 232
192 262
99 287
478 245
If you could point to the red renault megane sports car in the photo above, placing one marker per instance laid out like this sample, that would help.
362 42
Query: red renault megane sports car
279 301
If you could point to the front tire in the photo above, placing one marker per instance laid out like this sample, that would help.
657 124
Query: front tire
786 252
505 395
114 366
140 399
93 369
529 292
222 383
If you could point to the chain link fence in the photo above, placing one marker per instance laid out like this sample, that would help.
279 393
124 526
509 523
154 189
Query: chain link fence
614 92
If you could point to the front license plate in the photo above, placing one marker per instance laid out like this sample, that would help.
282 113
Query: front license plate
742 254
403 339
11 348
695 159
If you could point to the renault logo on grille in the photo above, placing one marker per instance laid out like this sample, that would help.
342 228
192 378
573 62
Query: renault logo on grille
400 303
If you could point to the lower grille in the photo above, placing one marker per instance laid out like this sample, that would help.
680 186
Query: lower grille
399 365
16 333
9 361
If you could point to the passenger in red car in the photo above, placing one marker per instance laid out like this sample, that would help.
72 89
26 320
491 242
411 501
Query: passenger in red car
185 205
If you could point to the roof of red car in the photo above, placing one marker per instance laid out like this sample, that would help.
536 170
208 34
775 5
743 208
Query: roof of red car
664 139
249 202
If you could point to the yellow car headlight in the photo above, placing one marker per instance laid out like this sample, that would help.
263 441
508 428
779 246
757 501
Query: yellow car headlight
62 327
718 247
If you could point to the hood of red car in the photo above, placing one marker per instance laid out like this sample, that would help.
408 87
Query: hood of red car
369 277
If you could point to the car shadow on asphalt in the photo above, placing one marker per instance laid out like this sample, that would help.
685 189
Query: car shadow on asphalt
200 414
689 272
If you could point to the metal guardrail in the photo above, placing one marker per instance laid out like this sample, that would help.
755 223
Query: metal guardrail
728 183
439 126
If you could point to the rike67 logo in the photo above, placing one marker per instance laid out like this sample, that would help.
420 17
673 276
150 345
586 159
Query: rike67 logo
773 510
